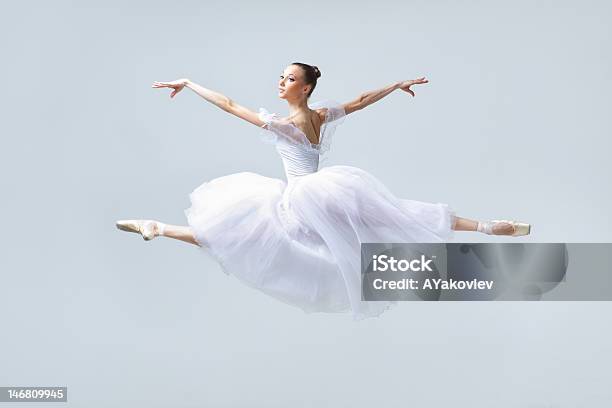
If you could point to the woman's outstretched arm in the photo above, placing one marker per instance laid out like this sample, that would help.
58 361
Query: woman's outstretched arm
213 97
368 98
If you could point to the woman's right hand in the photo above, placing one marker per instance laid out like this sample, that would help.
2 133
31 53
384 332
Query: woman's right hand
177 85
405 85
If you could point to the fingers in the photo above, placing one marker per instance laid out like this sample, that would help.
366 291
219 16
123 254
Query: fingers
408 90
417 81
421 80
408 84
176 89
157 84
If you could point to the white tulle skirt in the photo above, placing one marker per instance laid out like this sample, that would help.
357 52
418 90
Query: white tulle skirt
299 241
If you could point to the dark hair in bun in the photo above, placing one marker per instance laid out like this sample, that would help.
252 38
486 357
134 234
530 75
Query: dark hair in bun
311 73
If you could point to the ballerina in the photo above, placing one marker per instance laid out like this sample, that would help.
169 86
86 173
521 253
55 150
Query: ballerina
298 240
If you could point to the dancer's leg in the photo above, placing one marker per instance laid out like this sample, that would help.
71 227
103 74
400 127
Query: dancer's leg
150 229
465 224
182 233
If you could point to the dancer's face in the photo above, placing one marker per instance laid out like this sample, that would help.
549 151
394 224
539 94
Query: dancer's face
291 84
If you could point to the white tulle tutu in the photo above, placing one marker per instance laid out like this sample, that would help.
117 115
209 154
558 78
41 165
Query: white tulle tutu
299 240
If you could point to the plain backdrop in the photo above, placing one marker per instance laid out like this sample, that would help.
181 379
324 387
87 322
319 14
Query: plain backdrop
514 124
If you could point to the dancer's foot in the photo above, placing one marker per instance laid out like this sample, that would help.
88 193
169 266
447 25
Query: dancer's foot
149 229
504 227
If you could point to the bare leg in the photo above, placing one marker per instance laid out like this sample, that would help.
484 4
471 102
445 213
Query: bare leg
182 233
150 229
465 224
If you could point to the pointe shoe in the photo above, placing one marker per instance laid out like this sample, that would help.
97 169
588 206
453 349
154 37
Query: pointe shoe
146 228
520 228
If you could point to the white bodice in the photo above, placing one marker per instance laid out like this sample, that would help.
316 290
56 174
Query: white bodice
300 156
297 160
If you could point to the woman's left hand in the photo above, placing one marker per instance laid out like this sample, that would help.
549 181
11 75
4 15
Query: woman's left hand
177 85
405 85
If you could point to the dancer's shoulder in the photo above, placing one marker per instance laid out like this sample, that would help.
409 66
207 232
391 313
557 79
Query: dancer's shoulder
328 110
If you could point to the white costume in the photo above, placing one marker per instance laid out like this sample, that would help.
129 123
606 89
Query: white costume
299 240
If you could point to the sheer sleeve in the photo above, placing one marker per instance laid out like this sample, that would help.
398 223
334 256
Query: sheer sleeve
278 130
267 135
334 116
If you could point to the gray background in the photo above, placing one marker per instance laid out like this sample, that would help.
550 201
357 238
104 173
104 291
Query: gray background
514 123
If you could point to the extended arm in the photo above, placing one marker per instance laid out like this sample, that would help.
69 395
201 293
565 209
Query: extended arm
368 98
213 97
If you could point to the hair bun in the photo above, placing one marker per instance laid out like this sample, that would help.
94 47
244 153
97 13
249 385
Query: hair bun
316 70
